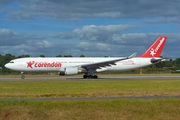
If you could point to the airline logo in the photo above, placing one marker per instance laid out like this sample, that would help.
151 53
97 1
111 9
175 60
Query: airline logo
43 65
154 51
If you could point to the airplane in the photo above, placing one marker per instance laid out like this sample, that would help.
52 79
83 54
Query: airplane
89 66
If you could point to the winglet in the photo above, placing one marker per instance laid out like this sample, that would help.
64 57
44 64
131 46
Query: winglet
131 56
156 49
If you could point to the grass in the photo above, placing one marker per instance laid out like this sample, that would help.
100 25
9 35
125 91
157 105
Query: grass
90 110
90 89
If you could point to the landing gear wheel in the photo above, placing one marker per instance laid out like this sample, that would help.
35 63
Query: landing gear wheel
85 76
90 76
22 77
95 76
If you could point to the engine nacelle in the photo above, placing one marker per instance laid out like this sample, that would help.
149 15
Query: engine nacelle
69 71
61 73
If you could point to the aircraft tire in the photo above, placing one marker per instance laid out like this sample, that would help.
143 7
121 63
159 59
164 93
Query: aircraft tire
22 77
95 76
85 76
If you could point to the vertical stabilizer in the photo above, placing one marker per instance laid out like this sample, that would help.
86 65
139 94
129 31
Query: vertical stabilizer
156 49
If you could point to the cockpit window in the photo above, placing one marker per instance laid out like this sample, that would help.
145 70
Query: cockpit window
11 62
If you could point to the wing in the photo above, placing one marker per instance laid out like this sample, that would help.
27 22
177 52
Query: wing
105 63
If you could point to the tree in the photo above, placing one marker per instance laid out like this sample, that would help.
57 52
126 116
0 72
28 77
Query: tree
160 65
82 55
68 56
5 59
23 56
41 56
59 56
10 55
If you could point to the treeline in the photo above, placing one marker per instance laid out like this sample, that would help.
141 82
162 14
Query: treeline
162 66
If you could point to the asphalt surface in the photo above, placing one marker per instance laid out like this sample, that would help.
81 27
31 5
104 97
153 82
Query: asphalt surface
48 79
121 78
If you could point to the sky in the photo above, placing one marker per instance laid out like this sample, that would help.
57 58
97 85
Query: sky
94 28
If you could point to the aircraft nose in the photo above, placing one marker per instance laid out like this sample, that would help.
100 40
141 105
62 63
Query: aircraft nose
6 65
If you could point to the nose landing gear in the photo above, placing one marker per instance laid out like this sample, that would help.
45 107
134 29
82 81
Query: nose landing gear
22 75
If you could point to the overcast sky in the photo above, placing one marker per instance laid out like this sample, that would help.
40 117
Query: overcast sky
94 28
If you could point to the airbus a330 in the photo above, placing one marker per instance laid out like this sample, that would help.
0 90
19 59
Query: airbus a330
89 66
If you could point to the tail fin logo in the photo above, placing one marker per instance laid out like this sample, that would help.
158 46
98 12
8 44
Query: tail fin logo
153 52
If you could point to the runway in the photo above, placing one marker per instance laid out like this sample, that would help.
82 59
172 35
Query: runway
119 78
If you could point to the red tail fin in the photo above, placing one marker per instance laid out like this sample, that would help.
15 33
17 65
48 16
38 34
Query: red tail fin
156 49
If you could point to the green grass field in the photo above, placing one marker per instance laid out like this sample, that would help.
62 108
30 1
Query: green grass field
90 89
90 110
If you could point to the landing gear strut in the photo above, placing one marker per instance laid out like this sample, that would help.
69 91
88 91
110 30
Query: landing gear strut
90 76
22 75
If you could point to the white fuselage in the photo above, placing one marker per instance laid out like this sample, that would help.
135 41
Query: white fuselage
59 64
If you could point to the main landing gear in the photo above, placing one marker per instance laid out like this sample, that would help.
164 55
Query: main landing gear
22 75
90 76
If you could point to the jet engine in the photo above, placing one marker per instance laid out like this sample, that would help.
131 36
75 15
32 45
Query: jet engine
69 71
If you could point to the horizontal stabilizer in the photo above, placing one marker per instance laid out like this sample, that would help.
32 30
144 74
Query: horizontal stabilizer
153 60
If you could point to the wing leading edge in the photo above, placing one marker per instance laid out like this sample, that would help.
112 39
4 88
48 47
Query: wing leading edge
97 65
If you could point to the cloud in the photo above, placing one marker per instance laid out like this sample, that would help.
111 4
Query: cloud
10 38
66 10
117 44
96 33
111 34
101 49
85 46
2 10
4 2
164 20
110 41
43 47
